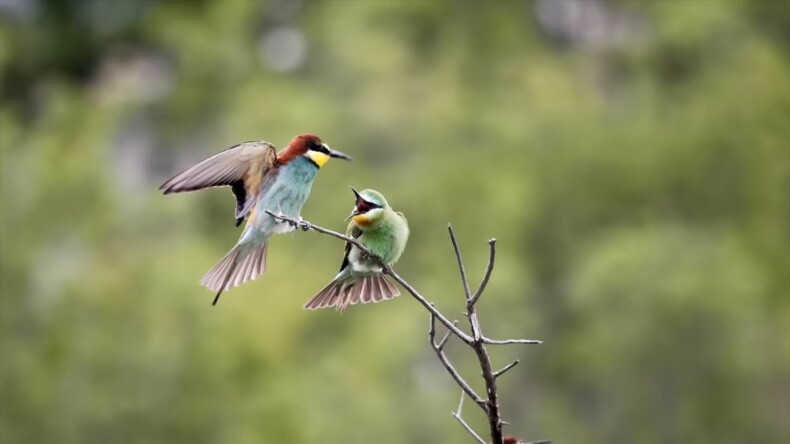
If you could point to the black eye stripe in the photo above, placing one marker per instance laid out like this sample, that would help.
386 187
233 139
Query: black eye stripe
319 147
364 206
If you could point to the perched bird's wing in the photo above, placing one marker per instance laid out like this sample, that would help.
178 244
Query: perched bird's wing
353 231
242 167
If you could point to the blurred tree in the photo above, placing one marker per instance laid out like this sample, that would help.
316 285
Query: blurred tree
632 158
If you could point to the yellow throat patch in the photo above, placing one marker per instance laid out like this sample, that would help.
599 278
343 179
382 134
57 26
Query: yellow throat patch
319 158
362 219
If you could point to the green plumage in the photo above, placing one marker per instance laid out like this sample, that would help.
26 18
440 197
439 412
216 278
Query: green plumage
384 233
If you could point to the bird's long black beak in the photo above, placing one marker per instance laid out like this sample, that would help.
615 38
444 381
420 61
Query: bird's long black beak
339 155
355 211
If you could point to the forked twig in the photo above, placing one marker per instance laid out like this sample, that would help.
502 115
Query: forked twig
457 415
437 348
505 368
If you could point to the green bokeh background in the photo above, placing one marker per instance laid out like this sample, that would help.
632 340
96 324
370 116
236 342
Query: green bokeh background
631 157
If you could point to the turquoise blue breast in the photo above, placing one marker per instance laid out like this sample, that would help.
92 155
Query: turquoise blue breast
286 192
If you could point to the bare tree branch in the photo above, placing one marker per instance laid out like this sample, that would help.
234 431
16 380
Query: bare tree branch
416 295
477 341
457 415
461 268
505 368
446 337
488 341
451 369
489 268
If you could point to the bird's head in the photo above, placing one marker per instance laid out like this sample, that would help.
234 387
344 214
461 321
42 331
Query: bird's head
314 149
369 207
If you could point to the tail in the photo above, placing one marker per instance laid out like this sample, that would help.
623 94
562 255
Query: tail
243 263
344 292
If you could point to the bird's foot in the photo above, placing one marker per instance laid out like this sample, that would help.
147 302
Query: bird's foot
284 218
303 224
298 222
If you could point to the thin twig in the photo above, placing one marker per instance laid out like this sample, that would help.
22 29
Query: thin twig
457 415
305 226
461 268
489 268
421 299
446 337
451 369
488 341
505 368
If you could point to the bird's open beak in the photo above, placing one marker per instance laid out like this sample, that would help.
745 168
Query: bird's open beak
355 211
338 154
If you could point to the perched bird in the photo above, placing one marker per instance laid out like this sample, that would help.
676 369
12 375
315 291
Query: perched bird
384 233
261 179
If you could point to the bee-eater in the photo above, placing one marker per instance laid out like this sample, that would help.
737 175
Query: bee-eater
384 233
260 179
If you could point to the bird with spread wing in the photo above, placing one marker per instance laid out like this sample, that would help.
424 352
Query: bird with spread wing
262 180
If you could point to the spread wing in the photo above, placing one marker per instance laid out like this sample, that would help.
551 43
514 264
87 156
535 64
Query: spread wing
241 167
353 232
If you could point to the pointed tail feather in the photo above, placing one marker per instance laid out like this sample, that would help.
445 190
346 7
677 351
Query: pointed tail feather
342 293
388 290
326 297
243 263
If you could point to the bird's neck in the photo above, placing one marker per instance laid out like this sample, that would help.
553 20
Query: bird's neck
381 224
300 169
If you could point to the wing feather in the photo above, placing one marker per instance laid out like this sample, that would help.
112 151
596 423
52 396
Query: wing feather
242 167
353 231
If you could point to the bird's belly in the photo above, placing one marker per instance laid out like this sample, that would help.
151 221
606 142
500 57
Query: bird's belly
365 267
283 227
362 265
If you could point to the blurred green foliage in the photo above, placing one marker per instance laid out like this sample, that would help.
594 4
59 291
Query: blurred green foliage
633 159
